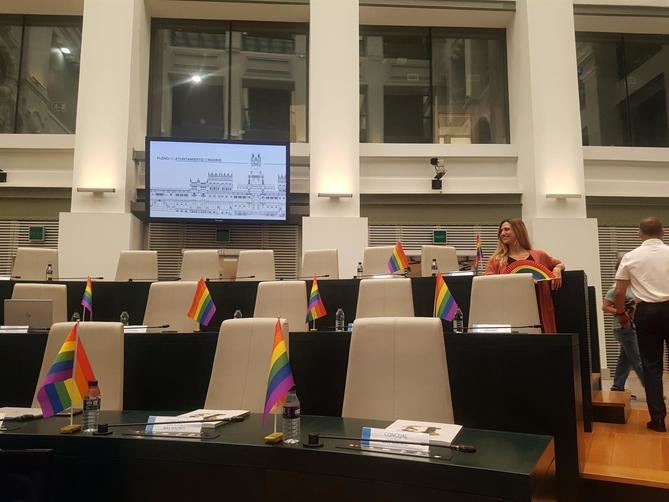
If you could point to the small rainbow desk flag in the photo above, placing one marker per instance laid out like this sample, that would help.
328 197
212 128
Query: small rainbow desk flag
479 251
202 309
280 379
67 379
87 299
316 309
398 260
444 303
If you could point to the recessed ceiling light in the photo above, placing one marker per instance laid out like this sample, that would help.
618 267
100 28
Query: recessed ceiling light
65 50
196 79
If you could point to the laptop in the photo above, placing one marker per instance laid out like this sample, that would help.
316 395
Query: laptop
36 314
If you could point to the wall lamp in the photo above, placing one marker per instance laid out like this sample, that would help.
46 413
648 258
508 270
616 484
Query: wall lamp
564 196
336 195
95 190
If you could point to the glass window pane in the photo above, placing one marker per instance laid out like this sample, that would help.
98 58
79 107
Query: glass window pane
470 86
189 80
602 90
395 97
49 76
268 84
10 55
647 69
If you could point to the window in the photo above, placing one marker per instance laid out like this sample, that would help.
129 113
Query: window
623 81
229 80
421 85
39 74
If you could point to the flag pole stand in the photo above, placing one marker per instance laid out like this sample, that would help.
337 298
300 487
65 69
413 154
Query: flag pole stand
313 325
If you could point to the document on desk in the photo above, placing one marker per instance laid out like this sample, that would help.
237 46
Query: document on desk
20 413
443 434
14 329
222 416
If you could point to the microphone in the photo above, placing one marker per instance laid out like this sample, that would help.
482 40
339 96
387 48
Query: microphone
474 331
103 429
389 275
314 442
231 278
77 278
143 279
312 276
160 326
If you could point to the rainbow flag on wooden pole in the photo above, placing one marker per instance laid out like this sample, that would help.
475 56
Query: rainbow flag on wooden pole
202 309
444 303
280 378
316 309
479 253
87 300
398 260
67 380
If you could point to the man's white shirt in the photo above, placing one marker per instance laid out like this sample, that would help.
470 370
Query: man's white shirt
647 269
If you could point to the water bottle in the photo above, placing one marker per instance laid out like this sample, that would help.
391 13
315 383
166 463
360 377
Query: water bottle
237 314
291 418
124 318
340 320
435 268
91 407
75 317
359 271
49 272
459 322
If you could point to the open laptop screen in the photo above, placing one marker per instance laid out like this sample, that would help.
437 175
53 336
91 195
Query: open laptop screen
36 314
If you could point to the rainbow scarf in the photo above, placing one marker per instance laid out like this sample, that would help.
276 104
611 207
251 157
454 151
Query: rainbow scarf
479 251
67 379
316 309
87 299
280 379
202 309
444 303
398 260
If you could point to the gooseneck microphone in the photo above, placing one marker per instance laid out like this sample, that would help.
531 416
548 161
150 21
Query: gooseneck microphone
103 429
314 438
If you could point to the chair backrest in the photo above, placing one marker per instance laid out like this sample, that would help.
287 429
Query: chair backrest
397 369
256 262
168 303
137 265
103 342
447 259
320 262
239 374
375 260
504 299
385 298
30 263
285 299
198 263
57 293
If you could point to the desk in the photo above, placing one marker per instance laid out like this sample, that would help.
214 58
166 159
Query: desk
507 466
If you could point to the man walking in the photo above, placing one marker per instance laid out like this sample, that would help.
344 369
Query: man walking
646 271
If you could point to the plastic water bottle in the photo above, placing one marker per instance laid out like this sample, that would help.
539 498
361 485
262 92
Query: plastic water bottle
340 320
49 272
459 322
75 317
124 318
237 314
435 268
359 270
92 401
291 418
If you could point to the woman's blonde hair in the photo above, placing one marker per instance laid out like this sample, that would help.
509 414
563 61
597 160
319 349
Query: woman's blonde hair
520 230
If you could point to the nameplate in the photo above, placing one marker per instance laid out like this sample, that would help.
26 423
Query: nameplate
2 419
157 426
135 329
490 328
369 434
5 278
14 329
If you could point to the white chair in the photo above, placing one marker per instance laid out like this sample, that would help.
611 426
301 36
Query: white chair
285 299
375 260
320 262
30 263
137 265
397 369
103 342
57 293
198 263
446 256
239 374
256 265
504 299
385 298
168 303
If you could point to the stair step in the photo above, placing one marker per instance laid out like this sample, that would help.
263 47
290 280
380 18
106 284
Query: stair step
611 406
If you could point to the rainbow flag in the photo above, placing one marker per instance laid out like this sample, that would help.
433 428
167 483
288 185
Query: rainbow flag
87 300
316 309
479 251
398 260
67 380
202 309
280 379
444 303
